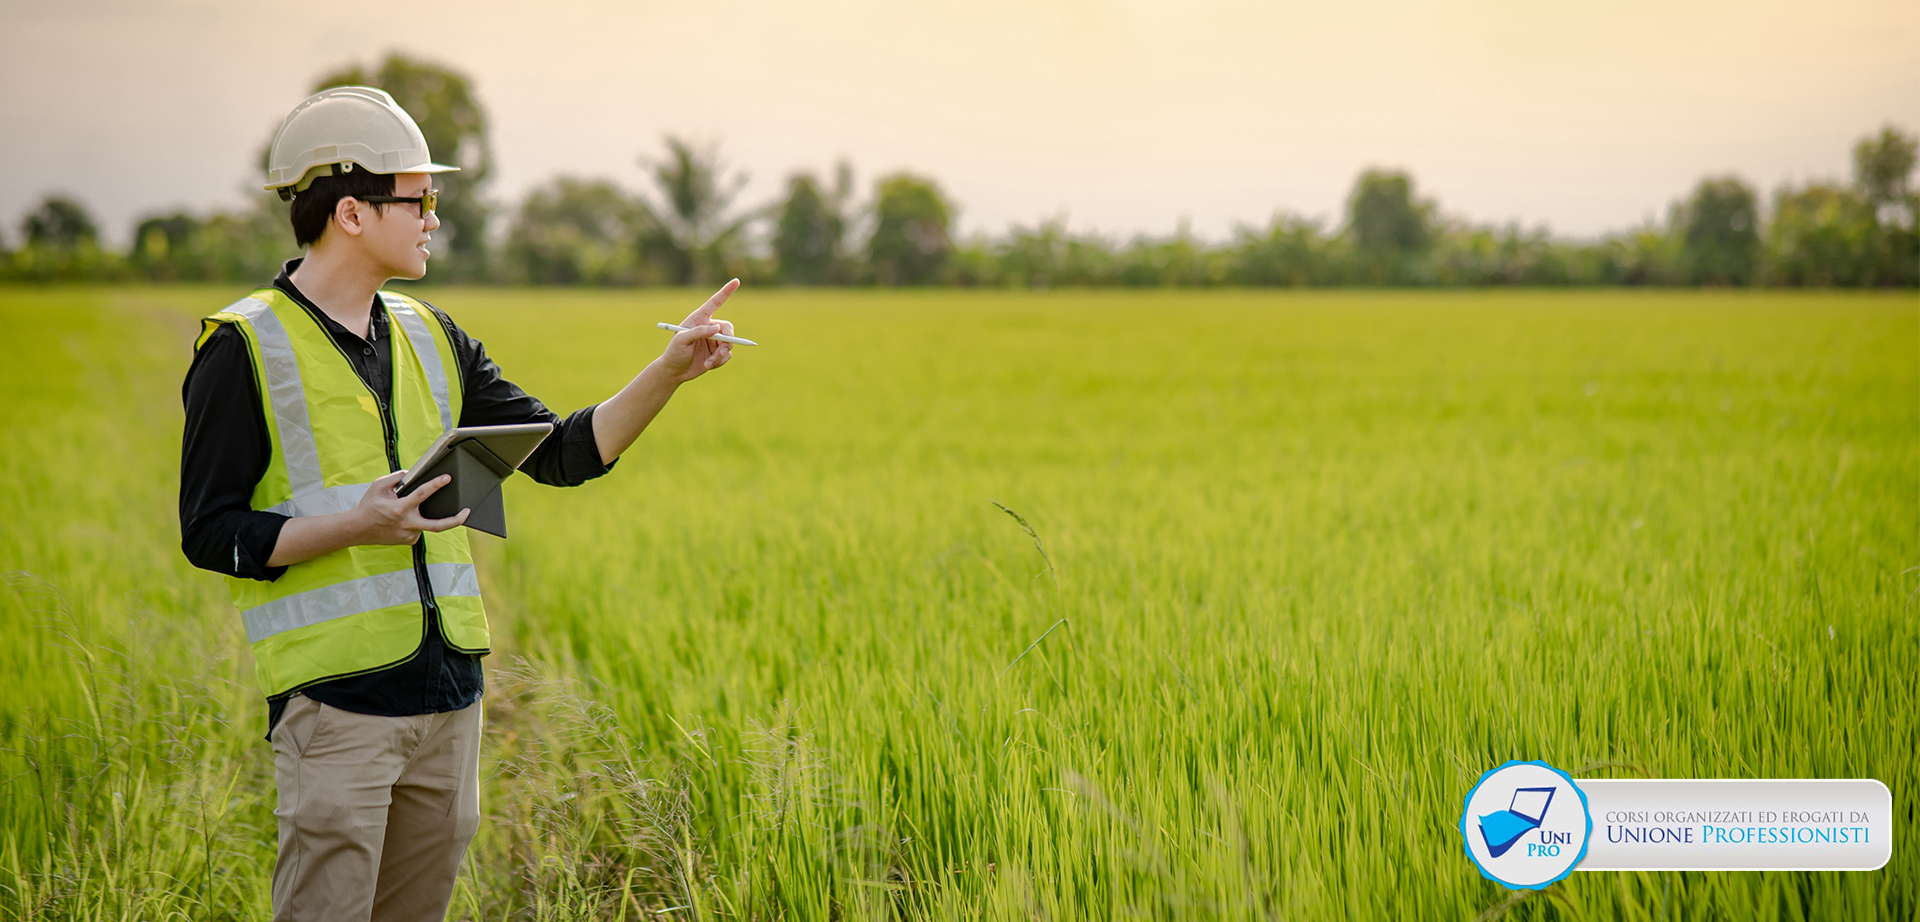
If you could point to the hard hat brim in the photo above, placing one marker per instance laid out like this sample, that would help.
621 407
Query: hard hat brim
430 168
318 170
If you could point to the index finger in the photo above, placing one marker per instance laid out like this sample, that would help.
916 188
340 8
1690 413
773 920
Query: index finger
704 312
418 496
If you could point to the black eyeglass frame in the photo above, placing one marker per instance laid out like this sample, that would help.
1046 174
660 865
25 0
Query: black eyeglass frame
426 201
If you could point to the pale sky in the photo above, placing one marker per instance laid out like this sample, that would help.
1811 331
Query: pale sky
1123 116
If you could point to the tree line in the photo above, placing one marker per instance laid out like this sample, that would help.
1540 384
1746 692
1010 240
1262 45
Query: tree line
689 227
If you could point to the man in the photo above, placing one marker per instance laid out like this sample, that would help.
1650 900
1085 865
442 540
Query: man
302 403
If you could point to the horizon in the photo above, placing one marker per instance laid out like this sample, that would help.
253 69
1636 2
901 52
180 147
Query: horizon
1125 118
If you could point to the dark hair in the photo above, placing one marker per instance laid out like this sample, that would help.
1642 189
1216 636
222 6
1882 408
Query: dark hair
313 207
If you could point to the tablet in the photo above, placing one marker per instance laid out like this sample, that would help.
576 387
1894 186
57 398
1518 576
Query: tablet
478 458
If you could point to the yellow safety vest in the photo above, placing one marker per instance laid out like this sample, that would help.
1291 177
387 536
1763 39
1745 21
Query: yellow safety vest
358 609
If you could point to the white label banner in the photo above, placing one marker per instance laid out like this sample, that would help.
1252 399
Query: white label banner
1738 825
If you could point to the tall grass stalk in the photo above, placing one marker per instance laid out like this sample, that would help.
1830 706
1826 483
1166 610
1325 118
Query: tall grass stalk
1315 581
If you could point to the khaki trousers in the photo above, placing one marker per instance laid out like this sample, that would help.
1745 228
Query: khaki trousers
375 812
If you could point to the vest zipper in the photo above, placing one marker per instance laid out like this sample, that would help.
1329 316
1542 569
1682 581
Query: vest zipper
389 431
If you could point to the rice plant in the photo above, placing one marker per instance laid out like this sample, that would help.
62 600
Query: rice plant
949 605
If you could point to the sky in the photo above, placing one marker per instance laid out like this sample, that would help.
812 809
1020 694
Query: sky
1120 117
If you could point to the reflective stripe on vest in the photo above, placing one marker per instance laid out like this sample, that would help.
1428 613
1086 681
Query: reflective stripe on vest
422 339
284 394
368 593
323 502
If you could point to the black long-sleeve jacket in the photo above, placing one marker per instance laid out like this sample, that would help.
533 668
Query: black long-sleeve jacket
226 450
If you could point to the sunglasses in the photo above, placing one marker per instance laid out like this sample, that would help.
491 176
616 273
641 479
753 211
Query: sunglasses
426 201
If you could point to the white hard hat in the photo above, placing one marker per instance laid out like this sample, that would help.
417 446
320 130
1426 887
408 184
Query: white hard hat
351 125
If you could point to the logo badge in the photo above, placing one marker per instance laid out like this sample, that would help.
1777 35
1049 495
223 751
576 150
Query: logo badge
1526 825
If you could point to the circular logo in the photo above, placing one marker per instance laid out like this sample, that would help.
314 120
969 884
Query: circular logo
1526 825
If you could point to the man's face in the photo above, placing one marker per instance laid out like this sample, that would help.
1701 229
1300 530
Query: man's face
398 239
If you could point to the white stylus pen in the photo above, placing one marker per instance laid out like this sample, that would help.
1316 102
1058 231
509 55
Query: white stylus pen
719 336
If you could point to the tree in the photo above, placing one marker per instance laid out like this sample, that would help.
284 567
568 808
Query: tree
912 234
62 242
976 263
1719 229
695 238
1291 251
60 224
1179 260
1467 255
1821 235
1883 164
1036 258
163 247
574 231
1390 228
442 101
1883 171
247 245
810 230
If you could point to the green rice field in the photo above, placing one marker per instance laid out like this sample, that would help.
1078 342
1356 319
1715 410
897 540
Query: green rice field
1278 576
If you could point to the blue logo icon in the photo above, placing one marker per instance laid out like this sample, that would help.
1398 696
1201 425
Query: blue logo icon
1515 834
1502 828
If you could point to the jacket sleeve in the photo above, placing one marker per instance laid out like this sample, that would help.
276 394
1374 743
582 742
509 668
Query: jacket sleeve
568 458
223 454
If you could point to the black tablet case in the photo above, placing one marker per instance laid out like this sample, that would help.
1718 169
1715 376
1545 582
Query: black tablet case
477 474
